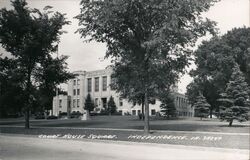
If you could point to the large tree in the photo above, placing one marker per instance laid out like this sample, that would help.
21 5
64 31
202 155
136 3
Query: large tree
29 36
11 91
148 40
215 59
50 74
235 100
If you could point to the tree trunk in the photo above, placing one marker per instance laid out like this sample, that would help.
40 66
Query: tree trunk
230 123
142 110
211 113
27 118
146 121
28 101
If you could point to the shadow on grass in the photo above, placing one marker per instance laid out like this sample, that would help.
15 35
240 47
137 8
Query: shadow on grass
74 124
235 126
173 127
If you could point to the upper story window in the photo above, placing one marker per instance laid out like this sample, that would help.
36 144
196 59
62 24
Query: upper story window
104 83
74 92
74 103
60 103
89 84
78 91
78 81
74 82
97 84
78 103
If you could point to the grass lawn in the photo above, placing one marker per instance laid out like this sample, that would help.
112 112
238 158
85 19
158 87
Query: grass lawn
132 122
237 138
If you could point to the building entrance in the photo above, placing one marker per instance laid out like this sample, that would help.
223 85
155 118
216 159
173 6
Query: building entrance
104 103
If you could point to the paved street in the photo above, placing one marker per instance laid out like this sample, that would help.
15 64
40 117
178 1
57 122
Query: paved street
27 148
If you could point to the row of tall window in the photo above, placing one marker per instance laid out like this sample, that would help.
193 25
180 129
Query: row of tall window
96 84
181 102
153 112
76 82
76 92
76 103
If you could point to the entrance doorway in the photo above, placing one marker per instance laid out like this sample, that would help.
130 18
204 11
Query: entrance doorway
104 103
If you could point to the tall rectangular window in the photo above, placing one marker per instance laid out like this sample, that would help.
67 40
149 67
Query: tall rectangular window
97 84
78 81
78 103
78 91
74 92
104 83
74 103
89 84
60 103
153 112
74 82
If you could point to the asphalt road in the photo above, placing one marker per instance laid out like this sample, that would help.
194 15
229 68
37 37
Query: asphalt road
30 148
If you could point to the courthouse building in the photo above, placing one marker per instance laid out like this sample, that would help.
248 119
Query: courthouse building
97 84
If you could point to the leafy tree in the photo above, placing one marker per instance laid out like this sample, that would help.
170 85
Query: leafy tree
235 104
89 104
111 105
11 91
167 105
148 40
201 107
51 73
30 36
215 59
208 89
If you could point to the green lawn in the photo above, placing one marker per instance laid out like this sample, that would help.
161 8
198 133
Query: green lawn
132 122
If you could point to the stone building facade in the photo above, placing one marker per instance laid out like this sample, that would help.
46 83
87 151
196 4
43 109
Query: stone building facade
97 84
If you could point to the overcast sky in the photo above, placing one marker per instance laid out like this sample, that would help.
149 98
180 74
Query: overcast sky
90 56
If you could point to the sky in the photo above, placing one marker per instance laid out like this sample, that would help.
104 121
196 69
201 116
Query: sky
90 56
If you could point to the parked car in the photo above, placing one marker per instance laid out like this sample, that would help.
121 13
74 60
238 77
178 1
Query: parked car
52 117
40 116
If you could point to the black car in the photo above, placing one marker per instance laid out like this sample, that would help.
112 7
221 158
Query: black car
40 116
52 117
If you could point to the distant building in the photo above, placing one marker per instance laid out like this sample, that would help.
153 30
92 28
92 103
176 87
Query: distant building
97 84
61 104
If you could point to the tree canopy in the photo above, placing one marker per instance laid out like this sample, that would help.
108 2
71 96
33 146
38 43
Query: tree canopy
148 40
30 36
215 59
